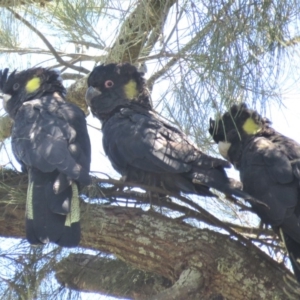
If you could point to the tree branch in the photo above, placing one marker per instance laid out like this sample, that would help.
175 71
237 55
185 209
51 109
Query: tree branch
186 287
181 53
5 127
155 243
114 276
48 44
136 28
129 42
78 56
6 3
71 76
87 44
205 215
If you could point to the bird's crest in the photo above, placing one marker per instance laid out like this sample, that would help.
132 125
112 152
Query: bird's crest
3 78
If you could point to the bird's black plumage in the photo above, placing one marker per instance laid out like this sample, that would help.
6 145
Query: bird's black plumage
142 146
269 165
50 140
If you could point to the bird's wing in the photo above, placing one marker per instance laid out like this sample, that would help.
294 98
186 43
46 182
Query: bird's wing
291 150
145 142
268 175
43 138
142 141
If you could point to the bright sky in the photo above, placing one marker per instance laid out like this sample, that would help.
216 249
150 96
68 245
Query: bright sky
285 120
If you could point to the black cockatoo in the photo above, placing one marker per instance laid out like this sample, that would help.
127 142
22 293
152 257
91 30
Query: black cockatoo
50 141
269 165
143 147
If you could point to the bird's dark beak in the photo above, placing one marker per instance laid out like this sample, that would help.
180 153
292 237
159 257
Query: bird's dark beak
212 129
90 94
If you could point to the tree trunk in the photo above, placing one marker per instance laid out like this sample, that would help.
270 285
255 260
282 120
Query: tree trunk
148 17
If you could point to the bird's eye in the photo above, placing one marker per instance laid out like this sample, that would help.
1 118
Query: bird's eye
108 84
16 86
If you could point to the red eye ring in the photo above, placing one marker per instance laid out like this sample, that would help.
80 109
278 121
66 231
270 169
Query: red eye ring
108 84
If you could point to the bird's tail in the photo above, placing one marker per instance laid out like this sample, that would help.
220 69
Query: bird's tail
51 217
293 249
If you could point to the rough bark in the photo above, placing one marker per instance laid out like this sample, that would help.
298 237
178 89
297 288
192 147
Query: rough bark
148 16
5 127
114 276
199 262
76 94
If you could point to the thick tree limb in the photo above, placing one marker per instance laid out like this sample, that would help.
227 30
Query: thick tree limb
115 277
154 243
76 94
129 43
136 29
186 287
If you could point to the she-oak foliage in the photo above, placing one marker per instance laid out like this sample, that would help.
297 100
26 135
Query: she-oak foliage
201 57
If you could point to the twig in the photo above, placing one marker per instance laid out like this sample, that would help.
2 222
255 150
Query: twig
71 76
87 44
48 44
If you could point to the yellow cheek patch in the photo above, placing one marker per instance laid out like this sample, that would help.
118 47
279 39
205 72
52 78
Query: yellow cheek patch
130 90
250 127
33 84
